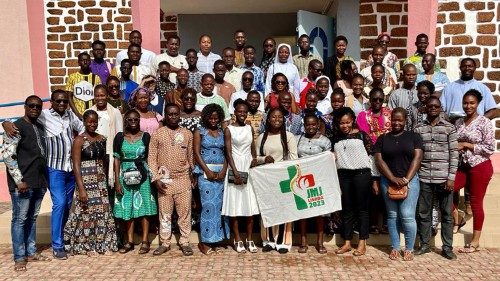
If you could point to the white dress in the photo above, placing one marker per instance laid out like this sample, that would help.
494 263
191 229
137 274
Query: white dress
239 200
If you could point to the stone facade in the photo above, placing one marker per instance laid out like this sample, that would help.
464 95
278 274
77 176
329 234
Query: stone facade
71 26
389 16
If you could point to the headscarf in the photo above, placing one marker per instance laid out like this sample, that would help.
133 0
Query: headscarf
330 90
131 101
277 59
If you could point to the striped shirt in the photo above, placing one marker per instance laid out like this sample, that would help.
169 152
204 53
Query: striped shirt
59 137
440 161
302 63
402 98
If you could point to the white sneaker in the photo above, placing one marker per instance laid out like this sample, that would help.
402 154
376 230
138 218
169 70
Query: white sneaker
239 247
251 246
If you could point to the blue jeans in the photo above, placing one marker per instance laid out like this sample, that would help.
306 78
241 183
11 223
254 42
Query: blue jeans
62 188
25 209
401 213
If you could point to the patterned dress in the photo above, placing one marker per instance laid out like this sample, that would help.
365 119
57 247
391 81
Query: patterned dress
137 200
91 227
213 227
190 123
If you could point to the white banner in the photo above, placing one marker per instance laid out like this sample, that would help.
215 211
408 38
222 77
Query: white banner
296 189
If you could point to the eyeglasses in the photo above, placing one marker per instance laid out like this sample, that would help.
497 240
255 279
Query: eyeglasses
247 79
34 105
375 99
62 101
132 119
280 82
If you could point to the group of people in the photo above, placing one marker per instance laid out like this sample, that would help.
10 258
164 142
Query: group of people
170 131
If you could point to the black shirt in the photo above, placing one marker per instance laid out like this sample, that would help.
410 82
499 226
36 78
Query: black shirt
398 151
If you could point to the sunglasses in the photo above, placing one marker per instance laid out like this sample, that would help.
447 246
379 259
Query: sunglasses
62 101
132 119
280 82
379 99
34 105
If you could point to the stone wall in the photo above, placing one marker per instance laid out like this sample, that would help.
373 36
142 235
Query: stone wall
71 26
389 16
168 26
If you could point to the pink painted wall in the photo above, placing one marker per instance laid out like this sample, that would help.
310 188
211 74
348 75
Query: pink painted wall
422 18
146 19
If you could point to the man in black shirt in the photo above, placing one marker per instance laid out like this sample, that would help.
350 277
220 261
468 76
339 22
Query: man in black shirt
25 158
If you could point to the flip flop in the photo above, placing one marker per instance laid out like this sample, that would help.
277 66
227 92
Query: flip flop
469 249
208 252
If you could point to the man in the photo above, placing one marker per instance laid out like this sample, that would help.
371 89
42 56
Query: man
255 116
258 74
407 94
60 126
240 39
293 122
233 74
25 158
147 57
206 58
438 78
451 99
172 56
127 86
421 42
207 95
222 87
302 59
139 70
437 177
170 159
247 86
163 86
195 75
378 53
315 70
99 65
80 86
174 95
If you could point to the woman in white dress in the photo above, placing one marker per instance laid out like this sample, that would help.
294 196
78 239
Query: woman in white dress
239 197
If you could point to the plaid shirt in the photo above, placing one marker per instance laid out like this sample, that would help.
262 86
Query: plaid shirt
440 161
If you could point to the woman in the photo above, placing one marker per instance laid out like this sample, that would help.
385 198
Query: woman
190 117
476 144
352 149
337 101
398 154
416 111
378 77
283 64
275 145
90 228
239 197
390 59
279 84
140 100
347 69
324 92
268 54
133 201
115 97
357 101
311 142
211 170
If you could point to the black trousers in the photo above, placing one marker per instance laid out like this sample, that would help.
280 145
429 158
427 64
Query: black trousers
356 189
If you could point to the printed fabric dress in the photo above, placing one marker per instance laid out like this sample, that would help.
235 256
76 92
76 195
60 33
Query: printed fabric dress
137 200
91 228
213 226
239 200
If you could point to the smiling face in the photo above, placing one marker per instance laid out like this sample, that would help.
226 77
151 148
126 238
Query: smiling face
132 121
240 39
207 85
428 62
467 69
281 83
376 101
312 101
433 108
241 113
275 119
422 43
126 69
346 123
90 123
311 125
113 88
60 102
191 58
315 70
470 104
172 116
323 85
337 101
142 100
340 48
269 46
423 94
357 85
188 101
205 44
33 108
285 101
283 54
134 54
398 121
182 76
173 45
213 121
100 96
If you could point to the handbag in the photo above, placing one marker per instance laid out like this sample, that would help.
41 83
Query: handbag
132 176
396 192
243 175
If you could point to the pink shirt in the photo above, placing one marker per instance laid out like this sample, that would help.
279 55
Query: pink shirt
374 126
480 133
150 125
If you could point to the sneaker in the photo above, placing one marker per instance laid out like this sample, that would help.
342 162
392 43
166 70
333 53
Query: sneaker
60 254
239 247
251 246
448 254
267 248
423 250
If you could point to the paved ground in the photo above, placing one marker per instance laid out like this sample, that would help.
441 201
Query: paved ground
484 265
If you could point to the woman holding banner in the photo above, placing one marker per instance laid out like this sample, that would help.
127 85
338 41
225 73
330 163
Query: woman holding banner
352 149
274 145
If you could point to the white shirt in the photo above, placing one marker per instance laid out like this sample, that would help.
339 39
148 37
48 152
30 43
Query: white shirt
367 74
206 63
292 74
325 106
241 94
233 76
147 57
138 72
178 61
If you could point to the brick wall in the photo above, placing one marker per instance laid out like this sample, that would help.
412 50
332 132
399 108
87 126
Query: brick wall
470 29
377 16
168 26
73 25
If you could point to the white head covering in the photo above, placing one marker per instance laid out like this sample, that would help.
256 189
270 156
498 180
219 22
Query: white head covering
277 59
330 90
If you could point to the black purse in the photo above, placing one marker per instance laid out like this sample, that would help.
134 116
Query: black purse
243 175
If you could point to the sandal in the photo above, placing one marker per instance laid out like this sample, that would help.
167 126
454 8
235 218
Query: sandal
395 255
206 252
38 257
408 256
187 250
218 251
342 250
469 249
145 247
321 249
303 249
161 250
126 248
458 226
20 265
358 253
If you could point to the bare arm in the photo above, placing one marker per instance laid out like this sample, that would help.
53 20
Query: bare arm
72 105
116 170
76 154
415 164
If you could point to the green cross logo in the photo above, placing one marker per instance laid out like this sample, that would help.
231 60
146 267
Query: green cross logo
297 184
